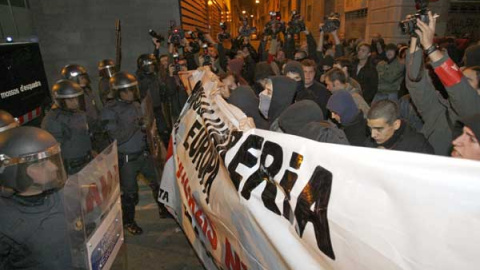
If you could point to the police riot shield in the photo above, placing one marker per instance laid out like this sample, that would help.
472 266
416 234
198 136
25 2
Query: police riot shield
93 212
155 146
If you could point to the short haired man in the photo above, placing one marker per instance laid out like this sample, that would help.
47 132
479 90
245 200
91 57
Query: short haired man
345 64
388 131
365 72
320 92
391 74
335 79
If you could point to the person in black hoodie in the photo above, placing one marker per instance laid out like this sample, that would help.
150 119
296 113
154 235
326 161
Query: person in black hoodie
263 70
282 96
244 98
297 115
390 132
348 117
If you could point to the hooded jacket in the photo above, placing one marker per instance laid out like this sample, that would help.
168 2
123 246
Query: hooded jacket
299 114
282 96
244 98
323 131
353 123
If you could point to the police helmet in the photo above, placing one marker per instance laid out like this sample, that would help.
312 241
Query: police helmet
74 72
30 161
65 89
123 81
106 68
147 63
7 121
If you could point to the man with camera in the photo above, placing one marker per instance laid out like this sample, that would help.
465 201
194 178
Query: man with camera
438 114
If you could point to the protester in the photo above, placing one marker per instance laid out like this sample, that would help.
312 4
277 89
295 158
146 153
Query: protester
388 131
391 74
245 99
336 80
314 90
296 116
282 96
365 72
467 145
348 117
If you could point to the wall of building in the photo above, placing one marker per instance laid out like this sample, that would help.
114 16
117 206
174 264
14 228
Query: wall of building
83 32
384 16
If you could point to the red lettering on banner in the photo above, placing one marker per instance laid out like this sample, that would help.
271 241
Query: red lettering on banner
200 218
232 261
93 197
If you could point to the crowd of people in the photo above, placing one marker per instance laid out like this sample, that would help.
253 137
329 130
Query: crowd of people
415 96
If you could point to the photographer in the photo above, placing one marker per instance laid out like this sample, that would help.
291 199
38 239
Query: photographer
316 51
176 93
464 99
213 54
437 113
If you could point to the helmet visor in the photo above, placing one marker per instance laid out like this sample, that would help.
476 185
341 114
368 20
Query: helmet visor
46 174
37 172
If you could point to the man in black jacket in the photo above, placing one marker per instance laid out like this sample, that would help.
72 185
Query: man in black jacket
365 72
390 132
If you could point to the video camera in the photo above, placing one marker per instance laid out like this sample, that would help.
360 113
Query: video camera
224 35
154 34
207 59
296 23
275 25
176 34
176 60
245 29
332 23
409 25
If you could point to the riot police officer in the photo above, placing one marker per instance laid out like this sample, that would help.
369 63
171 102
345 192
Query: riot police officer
106 69
33 229
149 81
123 120
67 122
7 121
78 74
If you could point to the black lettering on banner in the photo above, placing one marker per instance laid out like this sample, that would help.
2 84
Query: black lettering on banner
163 195
266 174
191 133
288 181
317 192
244 157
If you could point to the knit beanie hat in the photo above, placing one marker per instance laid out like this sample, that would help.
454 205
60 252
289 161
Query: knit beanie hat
342 103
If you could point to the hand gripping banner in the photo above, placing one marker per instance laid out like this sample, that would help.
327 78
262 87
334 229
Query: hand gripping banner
253 199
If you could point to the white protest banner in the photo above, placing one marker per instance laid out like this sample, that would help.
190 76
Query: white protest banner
255 199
